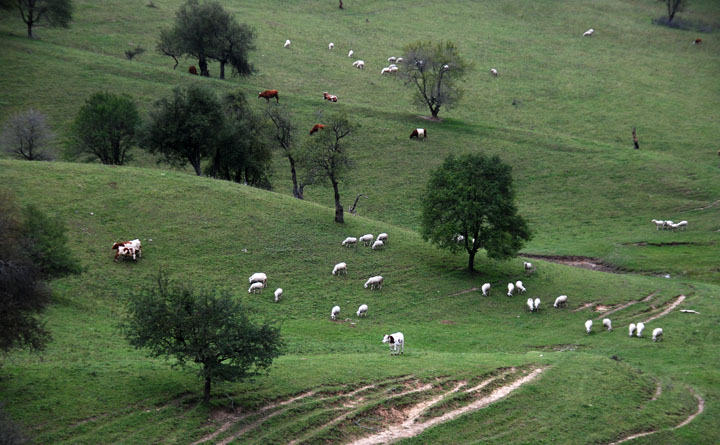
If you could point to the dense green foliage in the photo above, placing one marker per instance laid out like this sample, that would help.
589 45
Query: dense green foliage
105 128
26 136
200 327
46 243
472 195
55 13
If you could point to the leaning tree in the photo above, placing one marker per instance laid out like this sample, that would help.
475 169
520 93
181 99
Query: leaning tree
472 196
53 13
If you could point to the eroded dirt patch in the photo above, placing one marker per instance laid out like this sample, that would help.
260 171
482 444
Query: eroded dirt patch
668 309
607 310
582 262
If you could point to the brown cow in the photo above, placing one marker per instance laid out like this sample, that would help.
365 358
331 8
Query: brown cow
329 97
269 94
697 41
316 127
192 70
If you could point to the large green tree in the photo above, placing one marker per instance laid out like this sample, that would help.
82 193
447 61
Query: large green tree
435 70
472 195
55 13
105 128
201 327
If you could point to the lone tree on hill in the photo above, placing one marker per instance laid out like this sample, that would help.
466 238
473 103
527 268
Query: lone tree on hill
436 70
26 134
325 156
473 196
54 13
105 128
206 31
285 137
673 7
204 327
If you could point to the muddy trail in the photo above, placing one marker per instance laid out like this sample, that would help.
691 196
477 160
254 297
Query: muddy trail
582 262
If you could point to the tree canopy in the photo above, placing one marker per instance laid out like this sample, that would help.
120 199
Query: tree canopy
435 69
205 327
472 195
54 13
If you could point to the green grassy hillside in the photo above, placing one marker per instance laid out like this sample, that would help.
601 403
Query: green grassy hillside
90 387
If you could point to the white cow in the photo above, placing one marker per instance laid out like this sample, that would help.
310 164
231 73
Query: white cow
396 342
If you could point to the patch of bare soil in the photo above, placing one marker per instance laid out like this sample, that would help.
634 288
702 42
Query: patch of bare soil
674 243
668 309
447 322
606 310
559 347
431 119
713 204
472 289
582 262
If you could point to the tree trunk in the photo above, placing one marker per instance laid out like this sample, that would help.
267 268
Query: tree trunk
471 259
338 207
196 166
202 63
635 140
297 193
29 29
222 69
206 396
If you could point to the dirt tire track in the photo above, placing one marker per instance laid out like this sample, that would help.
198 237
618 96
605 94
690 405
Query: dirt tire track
585 306
472 289
626 305
668 309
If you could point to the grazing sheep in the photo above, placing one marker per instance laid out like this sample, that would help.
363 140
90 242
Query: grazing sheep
520 287
399 60
511 288
457 238
560 301
340 268
588 326
331 45
258 277
378 245
335 312
396 342
287 44
537 304
485 289
640 329
278 294
588 33
383 237
682 225
657 334
527 265
392 59
393 69
349 241
367 239
667 224
607 323
386 70
350 54
494 72
375 282
631 329
362 310
531 305
359 64
659 224
256 288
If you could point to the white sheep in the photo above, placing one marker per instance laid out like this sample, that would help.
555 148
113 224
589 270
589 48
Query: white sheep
657 334
393 69
396 341
287 44
494 72
367 239
458 238
392 59
255 288
631 329
331 45
537 304
278 294
588 326
527 265
383 237
349 241
375 282
378 245
667 224
520 287
511 288
399 60
659 224
340 268
485 289
334 312
350 54
588 33
359 64
640 329
682 225
362 310
607 323
258 277
560 301
386 70
531 305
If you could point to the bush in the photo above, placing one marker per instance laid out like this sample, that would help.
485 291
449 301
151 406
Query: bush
10 432
46 243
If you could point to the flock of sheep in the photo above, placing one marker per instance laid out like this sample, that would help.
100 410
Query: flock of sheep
633 329
669 225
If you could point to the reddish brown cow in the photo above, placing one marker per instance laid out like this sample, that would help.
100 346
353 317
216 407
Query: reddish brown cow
316 127
269 94
192 70
697 41
419 133
329 97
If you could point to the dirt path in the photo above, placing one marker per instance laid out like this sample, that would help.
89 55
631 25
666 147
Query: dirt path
626 305
410 429
713 204
667 310
585 306
582 262
472 289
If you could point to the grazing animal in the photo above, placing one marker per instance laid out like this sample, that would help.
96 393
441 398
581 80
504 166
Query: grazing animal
330 97
485 289
386 70
657 334
269 94
367 239
527 265
349 241
494 72
362 310
126 252
399 60
697 41
511 289
537 304
136 246
520 287
659 224
258 277
334 312
631 329
350 54
278 294
607 323
383 237
359 64
588 33
640 329
396 342
375 282
531 304
256 288
682 225
419 133
331 45
287 44
560 301
392 59
588 326
340 268
378 245
316 128
393 69
192 70
667 224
